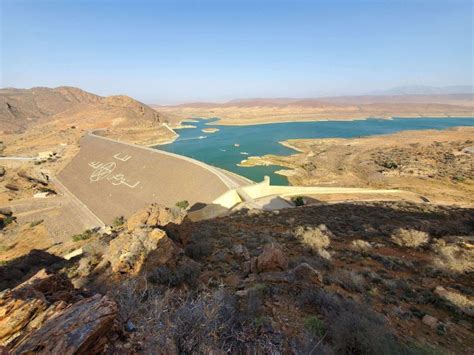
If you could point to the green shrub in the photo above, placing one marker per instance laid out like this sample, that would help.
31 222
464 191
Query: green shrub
5 247
198 250
35 223
182 204
314 325
6 221
118 221
298 200
83 236
187 272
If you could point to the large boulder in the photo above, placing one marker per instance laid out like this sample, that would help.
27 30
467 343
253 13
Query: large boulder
155 215
128 252
47 315
272 258
27 306
80 329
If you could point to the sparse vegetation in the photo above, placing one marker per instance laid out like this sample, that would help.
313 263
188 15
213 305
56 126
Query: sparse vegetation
87 234
182 204
35 223
118 221
361 245
409 238
5 221
4 247
199 249
314 326
453 258
317 239
298 201
186 272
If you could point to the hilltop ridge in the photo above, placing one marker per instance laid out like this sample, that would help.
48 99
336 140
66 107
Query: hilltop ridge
19 108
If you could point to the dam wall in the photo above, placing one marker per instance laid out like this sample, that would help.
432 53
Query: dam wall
113 178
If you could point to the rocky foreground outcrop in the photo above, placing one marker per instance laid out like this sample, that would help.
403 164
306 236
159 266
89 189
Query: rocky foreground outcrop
46 314
329 278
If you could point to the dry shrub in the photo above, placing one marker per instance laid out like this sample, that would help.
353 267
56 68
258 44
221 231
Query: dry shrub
360 245
410 238
317 239
349 280
453 258
353 328
175 321
463 302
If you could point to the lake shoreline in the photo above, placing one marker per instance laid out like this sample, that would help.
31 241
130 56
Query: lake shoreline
217 121
226 147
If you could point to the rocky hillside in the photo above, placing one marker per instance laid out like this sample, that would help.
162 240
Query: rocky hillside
21 107
346 278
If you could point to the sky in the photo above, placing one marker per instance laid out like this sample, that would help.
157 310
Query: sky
181 51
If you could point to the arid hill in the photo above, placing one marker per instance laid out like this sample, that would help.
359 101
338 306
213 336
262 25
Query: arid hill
344 278
256 111
19 108
39 119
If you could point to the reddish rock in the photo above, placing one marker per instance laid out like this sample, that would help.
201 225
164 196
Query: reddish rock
431 321
155 215
272 258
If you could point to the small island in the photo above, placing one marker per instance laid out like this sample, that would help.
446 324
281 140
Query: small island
210 130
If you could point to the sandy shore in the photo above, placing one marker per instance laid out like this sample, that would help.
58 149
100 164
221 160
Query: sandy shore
210 130
241 115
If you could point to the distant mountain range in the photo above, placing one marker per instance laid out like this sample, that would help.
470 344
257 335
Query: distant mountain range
426 90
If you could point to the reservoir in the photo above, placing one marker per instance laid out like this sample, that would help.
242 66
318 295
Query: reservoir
232 144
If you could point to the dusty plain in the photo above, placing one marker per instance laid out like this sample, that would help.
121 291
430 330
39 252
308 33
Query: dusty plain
261 111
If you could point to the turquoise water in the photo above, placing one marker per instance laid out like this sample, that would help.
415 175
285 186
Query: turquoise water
218 148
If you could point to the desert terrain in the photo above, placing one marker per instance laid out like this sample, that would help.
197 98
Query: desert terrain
438 165
380 277
45 126
325 277
260 111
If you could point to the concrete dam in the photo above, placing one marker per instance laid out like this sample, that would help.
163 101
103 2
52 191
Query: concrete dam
113 178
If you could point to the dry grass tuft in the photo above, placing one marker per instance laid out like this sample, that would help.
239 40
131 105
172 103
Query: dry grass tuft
317 239
453 258
360 245
410 238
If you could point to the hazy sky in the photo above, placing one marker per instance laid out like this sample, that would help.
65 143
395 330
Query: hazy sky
177 51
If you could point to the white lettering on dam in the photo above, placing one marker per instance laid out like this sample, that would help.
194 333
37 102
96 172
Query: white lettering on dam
105 171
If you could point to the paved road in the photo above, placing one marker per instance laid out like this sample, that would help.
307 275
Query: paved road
114 178
19 158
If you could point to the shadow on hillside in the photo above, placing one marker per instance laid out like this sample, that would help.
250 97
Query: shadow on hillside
18 270
383 217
